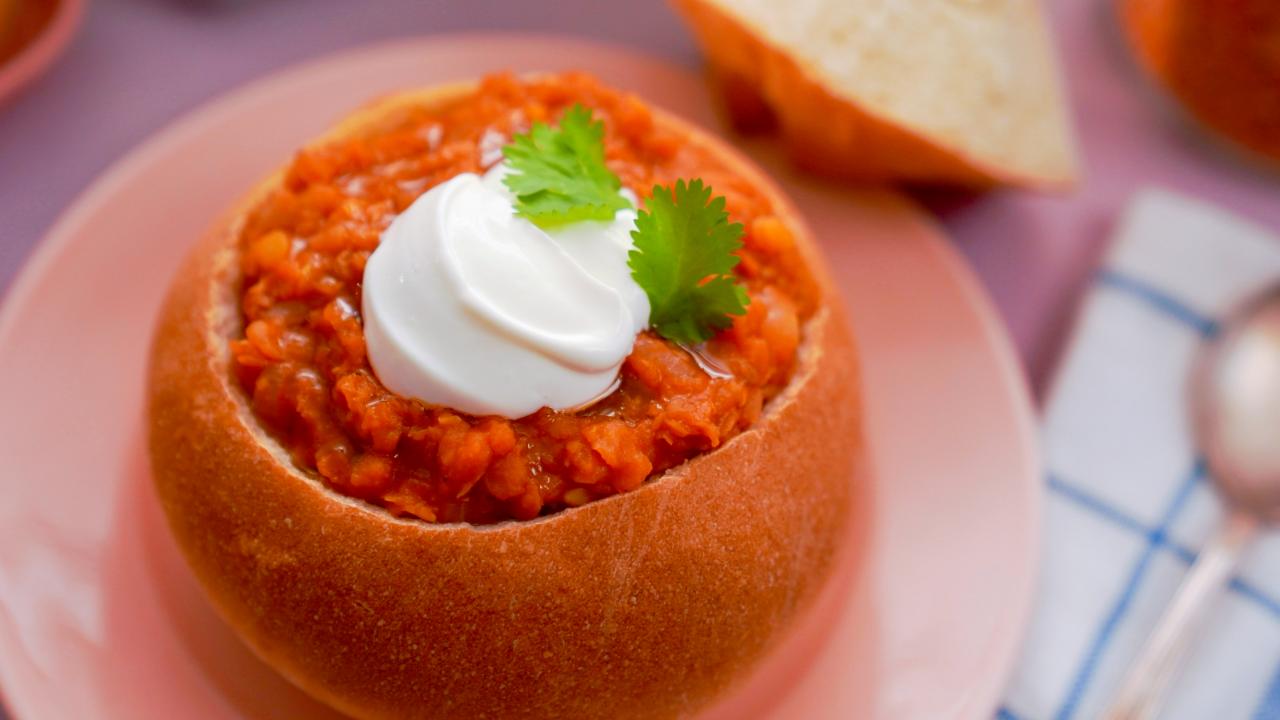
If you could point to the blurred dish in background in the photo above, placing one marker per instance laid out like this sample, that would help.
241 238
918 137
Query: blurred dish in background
1220 58
922 91
20 22
33 33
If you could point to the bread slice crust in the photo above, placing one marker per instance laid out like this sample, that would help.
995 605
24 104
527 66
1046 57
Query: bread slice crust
998 132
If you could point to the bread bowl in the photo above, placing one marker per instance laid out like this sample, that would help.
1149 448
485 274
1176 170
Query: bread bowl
920 91
649 601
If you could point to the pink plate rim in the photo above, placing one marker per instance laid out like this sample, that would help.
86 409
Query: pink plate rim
986 703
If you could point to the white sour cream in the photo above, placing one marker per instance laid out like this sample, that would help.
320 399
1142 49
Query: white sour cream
468 306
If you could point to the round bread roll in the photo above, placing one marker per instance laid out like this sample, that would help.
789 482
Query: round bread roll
650 603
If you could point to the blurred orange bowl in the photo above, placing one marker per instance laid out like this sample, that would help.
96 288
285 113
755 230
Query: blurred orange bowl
1219 58
33 33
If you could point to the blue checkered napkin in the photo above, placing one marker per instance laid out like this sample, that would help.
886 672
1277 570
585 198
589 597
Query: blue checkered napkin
1128 502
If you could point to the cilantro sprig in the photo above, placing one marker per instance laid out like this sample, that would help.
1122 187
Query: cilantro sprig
683 258
559 175
683 246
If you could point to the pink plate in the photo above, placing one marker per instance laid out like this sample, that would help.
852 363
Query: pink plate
36 57
99 618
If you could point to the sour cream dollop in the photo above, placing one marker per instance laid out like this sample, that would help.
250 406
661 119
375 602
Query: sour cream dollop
469 306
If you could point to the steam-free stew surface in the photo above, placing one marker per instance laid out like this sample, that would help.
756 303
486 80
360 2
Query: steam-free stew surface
302 356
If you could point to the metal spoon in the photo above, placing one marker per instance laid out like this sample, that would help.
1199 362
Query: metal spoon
1236 405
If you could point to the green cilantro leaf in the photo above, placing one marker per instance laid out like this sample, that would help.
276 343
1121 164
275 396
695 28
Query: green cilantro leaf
558 174
683 259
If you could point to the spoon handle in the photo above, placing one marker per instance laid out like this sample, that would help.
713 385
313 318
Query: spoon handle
1143 691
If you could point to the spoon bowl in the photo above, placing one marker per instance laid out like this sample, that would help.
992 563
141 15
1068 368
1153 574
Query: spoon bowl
1237 402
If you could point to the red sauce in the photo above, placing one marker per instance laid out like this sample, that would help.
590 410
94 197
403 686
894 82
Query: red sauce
302 357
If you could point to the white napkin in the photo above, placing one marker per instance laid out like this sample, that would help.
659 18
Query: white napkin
1128 504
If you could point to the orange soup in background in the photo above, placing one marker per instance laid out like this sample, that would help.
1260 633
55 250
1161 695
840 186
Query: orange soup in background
1220 58
20 22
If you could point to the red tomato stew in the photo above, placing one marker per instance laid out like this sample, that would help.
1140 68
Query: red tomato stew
302 359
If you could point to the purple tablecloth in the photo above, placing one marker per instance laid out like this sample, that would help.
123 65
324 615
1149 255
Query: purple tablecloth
137 64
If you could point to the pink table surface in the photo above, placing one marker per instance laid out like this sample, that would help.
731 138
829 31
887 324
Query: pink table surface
137 64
